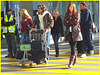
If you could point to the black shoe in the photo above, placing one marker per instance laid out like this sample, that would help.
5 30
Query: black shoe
9 56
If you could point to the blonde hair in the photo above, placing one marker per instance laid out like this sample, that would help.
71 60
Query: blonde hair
56 11
24 13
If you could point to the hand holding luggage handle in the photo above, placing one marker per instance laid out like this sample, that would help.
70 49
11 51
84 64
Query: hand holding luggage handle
43 36
37 35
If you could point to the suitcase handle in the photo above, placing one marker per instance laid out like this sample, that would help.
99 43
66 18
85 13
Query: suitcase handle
37 31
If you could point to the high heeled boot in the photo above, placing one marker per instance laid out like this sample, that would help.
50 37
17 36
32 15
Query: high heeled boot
71 61
75 59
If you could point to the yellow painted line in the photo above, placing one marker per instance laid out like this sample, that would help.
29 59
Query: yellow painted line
70 54
50 70
61 53
96 51
61 50
13 63
8 59
95 55
79 61
11 68
89 58
32 74
68 51
85 66
54 65
74 66
77 57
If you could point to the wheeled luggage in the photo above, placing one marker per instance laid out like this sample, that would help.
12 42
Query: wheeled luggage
38 46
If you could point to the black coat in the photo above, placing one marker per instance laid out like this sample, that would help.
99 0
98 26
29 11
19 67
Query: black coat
58 26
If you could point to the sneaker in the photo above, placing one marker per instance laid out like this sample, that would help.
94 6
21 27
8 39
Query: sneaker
83 56
92 52
46 61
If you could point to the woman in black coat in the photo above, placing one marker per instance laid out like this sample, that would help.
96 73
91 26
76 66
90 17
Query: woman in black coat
57 30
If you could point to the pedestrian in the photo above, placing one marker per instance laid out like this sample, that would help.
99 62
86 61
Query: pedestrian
86 29
71 21
26 23
57 30
44 20
8 23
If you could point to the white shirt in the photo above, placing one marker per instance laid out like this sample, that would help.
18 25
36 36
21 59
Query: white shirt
41 19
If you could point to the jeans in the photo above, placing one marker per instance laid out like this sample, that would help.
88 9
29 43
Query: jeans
87 43
24 37
56 38
48 44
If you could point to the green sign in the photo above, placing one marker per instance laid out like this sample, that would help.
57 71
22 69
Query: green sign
25 47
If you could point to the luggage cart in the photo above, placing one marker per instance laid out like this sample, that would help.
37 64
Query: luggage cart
37 34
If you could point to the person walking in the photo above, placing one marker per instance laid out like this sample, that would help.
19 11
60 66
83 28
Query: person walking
71 21
26 23
57 30
44 20
86 29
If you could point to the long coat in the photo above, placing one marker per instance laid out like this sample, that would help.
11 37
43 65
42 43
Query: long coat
76 29
58 26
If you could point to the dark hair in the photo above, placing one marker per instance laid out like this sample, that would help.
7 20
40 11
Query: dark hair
84 4
43 7
8 10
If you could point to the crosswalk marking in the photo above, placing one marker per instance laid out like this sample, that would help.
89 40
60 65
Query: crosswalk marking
53 66
51 70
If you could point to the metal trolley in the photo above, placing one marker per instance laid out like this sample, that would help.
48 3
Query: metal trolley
37 34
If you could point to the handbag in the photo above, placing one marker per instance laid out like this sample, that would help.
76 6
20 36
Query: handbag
76 29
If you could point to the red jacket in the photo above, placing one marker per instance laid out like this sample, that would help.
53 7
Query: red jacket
24 27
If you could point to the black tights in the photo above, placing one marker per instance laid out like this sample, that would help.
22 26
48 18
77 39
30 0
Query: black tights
73 46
